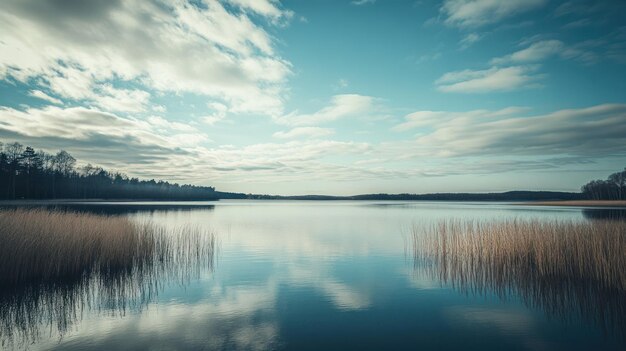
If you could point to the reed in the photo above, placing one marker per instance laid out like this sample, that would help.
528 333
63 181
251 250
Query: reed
567 268
52 246
55 265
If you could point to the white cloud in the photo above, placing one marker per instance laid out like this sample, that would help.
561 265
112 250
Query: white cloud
362 2
266 8
430 119
122 100
219 113
544 49
99 136
174 47
164 149
535 52
161 122
158 148
41 95
308 132
474 13
159 108
597 130
492 79
469 40
346 105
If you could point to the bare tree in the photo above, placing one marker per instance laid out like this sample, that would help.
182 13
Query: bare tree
14 154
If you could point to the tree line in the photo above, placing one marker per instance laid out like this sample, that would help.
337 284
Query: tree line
613 188
29 174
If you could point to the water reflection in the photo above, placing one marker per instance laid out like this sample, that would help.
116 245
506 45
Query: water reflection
111 278
115 208
309 276
618 214
570 270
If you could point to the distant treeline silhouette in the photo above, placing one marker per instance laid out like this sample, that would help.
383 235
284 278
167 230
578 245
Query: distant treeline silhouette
504 196
613 188
29 174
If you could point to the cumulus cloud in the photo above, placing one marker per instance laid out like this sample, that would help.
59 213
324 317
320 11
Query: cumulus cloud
308 132
71 48
594 131
345 105
474 13
489 80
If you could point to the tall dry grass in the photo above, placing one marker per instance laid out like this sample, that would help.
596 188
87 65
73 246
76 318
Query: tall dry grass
55 265
52 246
570 269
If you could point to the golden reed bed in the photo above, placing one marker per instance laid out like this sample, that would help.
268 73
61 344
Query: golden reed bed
52 246
54 265
570 269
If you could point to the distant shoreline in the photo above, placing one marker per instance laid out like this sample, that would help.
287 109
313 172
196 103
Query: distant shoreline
518 196
579 203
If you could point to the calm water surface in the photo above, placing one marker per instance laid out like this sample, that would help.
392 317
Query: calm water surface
318 276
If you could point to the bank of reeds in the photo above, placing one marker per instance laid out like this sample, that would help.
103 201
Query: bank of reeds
53 246
567 268
54 265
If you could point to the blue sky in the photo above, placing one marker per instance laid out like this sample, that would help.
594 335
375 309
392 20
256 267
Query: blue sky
326 97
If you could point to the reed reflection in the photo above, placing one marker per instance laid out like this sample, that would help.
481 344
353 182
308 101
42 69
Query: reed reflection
617 214
55 266
569 269
112 208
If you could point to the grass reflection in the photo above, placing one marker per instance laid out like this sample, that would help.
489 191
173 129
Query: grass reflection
568 269
57 265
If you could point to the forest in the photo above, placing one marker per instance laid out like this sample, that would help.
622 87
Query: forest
613 188
26 173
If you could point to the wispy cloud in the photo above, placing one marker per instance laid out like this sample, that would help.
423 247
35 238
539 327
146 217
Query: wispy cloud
594 131
43 96
341 106
307 132
544 49
432 119
535 52
469 40
475 13
266 8
342 83
488 80
362 2
219 113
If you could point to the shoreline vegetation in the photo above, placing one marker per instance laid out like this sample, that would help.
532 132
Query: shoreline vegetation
55 265
565 268
580 203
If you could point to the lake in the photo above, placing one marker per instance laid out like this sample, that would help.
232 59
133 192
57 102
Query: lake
315 275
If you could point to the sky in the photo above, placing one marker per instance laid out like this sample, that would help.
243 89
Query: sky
322 97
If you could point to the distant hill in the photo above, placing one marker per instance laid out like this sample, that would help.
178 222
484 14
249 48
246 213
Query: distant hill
505 196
